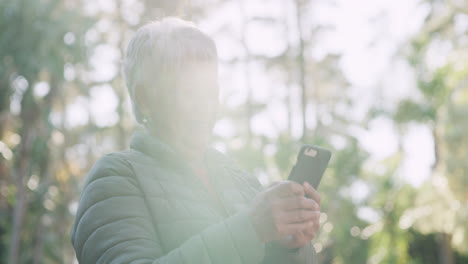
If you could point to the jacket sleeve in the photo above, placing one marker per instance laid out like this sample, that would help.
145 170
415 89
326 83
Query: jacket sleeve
276 254
113 225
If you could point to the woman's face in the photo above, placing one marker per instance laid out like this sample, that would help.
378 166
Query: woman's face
193 113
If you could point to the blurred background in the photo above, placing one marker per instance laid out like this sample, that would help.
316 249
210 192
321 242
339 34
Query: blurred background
383 84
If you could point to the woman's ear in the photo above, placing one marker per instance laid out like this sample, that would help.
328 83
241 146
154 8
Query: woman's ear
141 100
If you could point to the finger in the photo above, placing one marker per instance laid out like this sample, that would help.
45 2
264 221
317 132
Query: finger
297 202
309 234
273 184
314 228
288 188
311 192
302 239
317 216
297 216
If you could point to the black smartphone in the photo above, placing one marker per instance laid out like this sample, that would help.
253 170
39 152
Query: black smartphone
310 166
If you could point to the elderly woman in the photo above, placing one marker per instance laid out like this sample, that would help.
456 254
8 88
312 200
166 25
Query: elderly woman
170 198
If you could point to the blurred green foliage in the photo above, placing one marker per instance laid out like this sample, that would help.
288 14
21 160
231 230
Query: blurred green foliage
370 215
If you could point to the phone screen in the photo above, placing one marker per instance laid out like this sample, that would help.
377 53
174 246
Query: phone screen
310 166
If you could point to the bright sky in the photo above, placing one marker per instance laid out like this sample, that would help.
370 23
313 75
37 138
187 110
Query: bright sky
366 32
366 64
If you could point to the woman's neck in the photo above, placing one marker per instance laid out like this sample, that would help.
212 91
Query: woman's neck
194 158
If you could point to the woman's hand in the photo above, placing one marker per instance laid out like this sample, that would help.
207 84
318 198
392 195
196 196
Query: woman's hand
302 238
283 210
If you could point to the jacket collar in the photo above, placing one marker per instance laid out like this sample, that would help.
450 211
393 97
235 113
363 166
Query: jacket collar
165 156
143 141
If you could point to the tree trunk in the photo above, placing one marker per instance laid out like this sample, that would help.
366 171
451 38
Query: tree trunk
444 240
39 243
288 68
4 169
246 61
301 64
445 249
19 211
30 114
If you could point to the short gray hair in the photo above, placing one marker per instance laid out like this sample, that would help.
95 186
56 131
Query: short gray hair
157 52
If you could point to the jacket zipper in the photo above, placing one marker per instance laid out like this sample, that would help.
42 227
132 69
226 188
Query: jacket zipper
217 200
220 202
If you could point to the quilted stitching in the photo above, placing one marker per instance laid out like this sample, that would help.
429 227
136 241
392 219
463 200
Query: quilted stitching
135 209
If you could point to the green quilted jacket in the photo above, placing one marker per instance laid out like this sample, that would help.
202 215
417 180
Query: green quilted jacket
144 205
